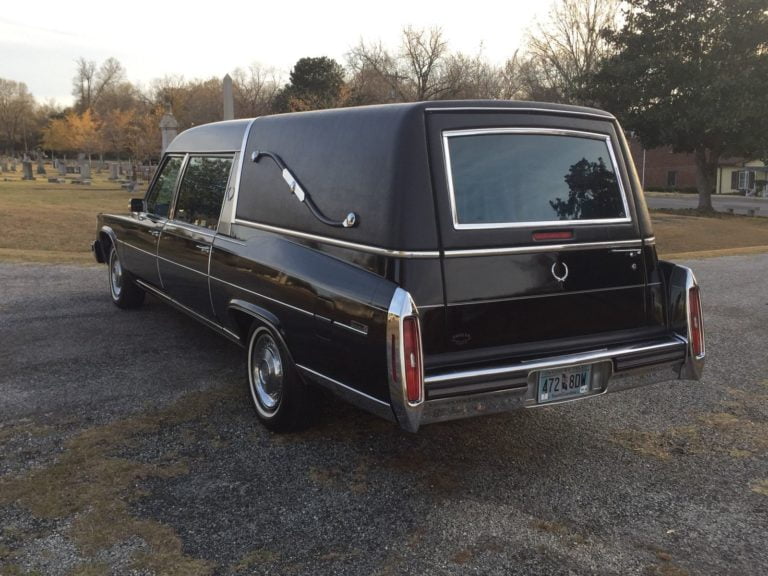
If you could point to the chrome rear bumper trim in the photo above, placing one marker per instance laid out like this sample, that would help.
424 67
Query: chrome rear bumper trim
553 362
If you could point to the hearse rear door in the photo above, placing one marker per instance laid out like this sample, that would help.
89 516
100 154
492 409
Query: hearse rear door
540 242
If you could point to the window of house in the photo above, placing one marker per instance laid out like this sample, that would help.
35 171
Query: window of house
671 178
160 196
201 191
735 180
746 179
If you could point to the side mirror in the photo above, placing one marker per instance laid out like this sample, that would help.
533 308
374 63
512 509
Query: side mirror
137 205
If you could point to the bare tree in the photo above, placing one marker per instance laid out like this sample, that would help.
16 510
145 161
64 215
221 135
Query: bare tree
374 75
563 51
17 108
254 90
423 53
90 83
471 77
421 69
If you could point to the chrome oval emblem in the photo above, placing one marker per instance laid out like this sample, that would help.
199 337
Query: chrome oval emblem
461 338
557 276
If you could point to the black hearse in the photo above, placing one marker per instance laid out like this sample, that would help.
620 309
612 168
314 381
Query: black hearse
425 261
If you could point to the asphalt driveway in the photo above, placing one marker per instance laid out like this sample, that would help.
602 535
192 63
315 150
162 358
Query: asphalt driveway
128 447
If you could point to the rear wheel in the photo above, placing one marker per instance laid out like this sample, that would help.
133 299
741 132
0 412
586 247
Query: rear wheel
281 399
125 293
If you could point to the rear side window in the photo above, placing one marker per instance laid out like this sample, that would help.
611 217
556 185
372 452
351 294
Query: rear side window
501 178
201 191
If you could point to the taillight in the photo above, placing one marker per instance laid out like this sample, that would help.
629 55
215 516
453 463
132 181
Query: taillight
412 356
540 236
695 322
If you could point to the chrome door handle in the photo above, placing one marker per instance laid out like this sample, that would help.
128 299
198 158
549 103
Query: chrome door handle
204 248
631 252
155 233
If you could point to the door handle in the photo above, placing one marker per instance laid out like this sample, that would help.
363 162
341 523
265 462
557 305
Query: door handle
631 252
155 233
204 248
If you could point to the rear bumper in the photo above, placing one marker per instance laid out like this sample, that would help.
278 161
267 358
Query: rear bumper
462 394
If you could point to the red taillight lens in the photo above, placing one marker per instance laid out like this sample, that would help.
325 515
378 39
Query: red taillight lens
412 355
695 322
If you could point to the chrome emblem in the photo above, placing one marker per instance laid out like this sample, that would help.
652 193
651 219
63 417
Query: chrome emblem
559 278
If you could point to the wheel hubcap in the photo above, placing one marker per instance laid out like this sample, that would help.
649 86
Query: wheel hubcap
115 276
266 373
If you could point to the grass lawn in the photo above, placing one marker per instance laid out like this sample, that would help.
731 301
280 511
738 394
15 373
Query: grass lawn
55 223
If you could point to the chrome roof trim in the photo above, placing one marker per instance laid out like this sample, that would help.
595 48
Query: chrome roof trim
340 243
229 212
603 116
542 248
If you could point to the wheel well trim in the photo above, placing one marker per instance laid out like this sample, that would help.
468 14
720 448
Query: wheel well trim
268 320
106 231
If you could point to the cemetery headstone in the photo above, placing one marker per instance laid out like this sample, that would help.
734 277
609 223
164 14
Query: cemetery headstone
40 166
27 167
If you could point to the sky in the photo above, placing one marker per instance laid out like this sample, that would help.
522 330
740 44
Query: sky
40 41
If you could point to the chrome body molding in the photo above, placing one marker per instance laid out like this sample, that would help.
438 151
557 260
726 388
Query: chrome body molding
447 135
340 243
355 397
175 303
535 296
362 330
543 248
408 414
291 306
126 244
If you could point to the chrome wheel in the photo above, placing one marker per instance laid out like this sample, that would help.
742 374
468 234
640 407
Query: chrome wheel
115 275
266 372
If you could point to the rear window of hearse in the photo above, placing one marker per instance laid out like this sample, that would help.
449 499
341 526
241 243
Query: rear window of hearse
504 178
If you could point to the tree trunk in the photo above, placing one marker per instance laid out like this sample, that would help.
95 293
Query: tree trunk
706 173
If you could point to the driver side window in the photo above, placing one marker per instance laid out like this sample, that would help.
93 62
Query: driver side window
161 195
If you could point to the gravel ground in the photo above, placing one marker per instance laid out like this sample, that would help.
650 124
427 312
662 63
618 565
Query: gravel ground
128 447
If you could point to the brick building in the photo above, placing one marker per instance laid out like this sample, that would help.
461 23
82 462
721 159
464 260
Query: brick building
662 169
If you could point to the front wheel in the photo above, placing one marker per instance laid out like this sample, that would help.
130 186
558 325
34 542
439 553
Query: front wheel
125 293
281 399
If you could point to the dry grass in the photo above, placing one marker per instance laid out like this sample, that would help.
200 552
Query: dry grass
93 487
55 223
737 431
683 236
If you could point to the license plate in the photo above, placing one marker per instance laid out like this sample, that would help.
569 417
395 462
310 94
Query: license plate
563 383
